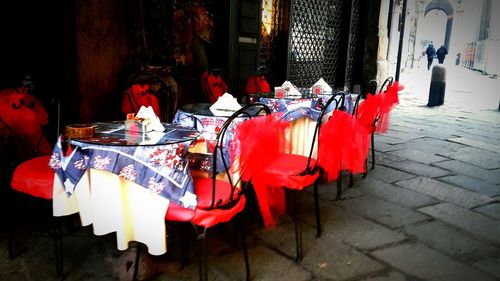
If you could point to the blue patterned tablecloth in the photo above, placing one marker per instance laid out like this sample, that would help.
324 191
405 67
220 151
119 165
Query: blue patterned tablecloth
160 165
200 117
294 109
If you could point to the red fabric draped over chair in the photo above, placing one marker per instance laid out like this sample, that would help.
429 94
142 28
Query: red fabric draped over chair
374 112
258 143
138 95
213 85
343 145
219 199
263 148
23 117
257 84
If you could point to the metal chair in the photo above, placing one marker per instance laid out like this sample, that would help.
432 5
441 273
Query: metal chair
295 172
214 83
146 88
220 200
32 182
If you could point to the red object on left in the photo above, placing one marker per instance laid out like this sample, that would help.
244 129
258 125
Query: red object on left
23 117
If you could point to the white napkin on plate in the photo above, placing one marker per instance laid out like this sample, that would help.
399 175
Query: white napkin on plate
151 121
225 105
290 89
321 83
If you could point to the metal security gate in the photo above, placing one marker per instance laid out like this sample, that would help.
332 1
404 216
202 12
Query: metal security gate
321 40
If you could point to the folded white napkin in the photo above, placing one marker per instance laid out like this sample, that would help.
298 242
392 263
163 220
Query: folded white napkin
321 83
225 105
152 137
290 89
151 121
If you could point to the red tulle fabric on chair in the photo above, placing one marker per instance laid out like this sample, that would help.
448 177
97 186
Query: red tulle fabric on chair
219 199
257 84
258 143
23 117
388 100
343 145
213 85
138 95
374 112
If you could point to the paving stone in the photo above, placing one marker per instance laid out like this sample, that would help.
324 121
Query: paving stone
475 160
491 210
491 266
478 144
330 259
449 240
265 264
417 156
445 192
396 195
491 176
385 139
441 143
385 158
388 175
383 147
475 152
281 238
352 229
383 212
419 169
470 221
427 264
472 184
388 276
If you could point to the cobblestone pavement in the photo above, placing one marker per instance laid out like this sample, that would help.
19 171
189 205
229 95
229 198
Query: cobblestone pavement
430 210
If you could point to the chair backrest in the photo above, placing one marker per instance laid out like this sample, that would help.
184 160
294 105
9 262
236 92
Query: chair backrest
260 82
387 83
222 147
214 83
23 118
337 100
146 88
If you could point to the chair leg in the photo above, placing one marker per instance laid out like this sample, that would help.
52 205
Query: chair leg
298 227
366 167
373 151
351 180
137 261
58 248
339 186
202 247
240 225
316 208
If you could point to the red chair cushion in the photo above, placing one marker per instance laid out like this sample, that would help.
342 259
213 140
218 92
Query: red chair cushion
209 218
203 190
34 177
204 217
285 171
178 213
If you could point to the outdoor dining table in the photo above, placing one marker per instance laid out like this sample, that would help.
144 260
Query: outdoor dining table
303 113
121 181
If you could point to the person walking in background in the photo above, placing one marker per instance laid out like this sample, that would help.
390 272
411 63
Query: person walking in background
441 53
431 53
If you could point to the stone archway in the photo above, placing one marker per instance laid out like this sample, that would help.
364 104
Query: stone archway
447 8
